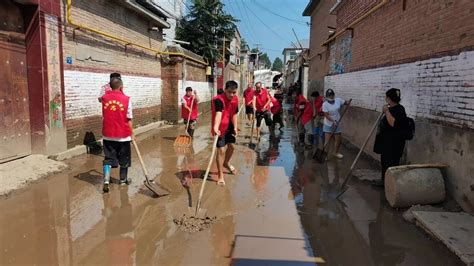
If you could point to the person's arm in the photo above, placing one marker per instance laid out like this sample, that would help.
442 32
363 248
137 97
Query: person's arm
185 105
254 105
130 124
269 100
235 120
389 116
130 116
196 98
217 123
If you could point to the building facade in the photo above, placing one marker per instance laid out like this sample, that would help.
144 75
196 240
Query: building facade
424 48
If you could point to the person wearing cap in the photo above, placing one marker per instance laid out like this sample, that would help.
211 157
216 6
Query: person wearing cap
332 114
389 142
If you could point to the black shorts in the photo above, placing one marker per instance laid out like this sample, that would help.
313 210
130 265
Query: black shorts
192 123
228 138
264 115
248 109
117 153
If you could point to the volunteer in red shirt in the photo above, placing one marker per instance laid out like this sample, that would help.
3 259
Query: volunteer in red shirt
190 99
224 124
277 112
318 101
248 97
261 105
305 120
117 132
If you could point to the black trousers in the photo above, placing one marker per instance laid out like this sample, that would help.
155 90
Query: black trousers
391 157
278 119
264 115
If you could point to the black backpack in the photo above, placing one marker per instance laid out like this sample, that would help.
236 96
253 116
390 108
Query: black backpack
409 131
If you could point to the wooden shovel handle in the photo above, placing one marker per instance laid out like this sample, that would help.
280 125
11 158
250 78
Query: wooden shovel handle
139 155
214 147
190 112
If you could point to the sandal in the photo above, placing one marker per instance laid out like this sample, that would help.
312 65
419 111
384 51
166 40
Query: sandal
231 169
221 182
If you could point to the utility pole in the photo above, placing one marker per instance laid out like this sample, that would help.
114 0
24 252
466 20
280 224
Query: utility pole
223 60
258 51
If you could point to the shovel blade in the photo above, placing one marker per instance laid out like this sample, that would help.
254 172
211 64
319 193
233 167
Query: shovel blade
157 189
201 213
182 141
320 155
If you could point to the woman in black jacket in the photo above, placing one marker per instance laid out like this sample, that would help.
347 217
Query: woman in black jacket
389 141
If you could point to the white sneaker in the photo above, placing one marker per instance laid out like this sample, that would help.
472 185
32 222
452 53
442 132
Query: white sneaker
338 155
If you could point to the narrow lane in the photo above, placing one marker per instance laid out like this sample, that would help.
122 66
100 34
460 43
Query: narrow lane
274 211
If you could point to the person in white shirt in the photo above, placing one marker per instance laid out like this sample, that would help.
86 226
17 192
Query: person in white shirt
332 115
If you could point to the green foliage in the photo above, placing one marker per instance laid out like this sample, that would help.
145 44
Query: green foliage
205 26
265 61
277 65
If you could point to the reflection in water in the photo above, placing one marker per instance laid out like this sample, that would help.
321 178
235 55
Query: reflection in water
119 233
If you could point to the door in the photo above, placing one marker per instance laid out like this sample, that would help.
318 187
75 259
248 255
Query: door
15 139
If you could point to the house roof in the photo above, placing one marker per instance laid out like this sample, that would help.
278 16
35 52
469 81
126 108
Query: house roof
310 7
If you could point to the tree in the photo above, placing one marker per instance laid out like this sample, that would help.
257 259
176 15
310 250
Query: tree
243 44
265 61
277 65
205 26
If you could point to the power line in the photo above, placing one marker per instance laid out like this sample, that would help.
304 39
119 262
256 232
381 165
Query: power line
278 15
261 21
251 30
243 21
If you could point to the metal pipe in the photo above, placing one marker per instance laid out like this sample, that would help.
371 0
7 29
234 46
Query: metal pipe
127 42
357 21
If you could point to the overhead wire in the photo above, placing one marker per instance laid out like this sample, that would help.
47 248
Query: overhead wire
244 22
252 31
263 23
278 15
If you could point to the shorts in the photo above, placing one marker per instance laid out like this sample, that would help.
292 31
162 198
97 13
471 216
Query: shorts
228 138
192 123
248 110
264 115
117 153
329 129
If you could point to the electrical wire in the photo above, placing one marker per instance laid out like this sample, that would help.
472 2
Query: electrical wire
244 23
261 21
252 31
278 15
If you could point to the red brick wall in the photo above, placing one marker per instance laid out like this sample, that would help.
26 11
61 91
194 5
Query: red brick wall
320 20
171 73
422 30
350 10
195 71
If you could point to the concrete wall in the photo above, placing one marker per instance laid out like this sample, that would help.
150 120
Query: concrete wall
438 93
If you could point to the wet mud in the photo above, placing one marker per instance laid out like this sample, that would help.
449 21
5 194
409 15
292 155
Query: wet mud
193 224
274 211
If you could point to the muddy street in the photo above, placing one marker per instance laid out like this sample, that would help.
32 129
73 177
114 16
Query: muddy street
274 211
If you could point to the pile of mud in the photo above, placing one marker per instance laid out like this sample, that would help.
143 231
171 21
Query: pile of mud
193 224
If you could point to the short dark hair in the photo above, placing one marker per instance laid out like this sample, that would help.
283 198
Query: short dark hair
189 89
257 83
329 93
315 94
115 75
394 94
231 84
116 83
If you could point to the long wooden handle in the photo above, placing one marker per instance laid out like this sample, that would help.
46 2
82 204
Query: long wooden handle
412 166
145 172
346 179
190 112
251 130
214 147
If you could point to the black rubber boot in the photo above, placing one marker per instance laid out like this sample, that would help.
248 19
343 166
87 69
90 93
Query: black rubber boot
123 176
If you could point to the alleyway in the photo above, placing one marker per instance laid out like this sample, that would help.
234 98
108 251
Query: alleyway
273 212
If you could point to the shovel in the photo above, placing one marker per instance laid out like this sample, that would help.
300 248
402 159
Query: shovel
185 140
343 187
201 213
156 188
320 155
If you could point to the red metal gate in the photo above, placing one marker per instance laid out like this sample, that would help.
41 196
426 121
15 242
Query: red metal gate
15 139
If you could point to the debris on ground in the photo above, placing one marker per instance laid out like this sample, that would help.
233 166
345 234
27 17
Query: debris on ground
16 174
408 214
193 224
368 175
454 229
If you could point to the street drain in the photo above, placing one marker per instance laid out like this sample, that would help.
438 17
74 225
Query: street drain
193 224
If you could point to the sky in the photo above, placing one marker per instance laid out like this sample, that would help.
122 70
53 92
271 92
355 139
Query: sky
278 16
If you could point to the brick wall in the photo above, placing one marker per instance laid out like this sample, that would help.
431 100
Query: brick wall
319 64
398 34
350 10
95 57
439 90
